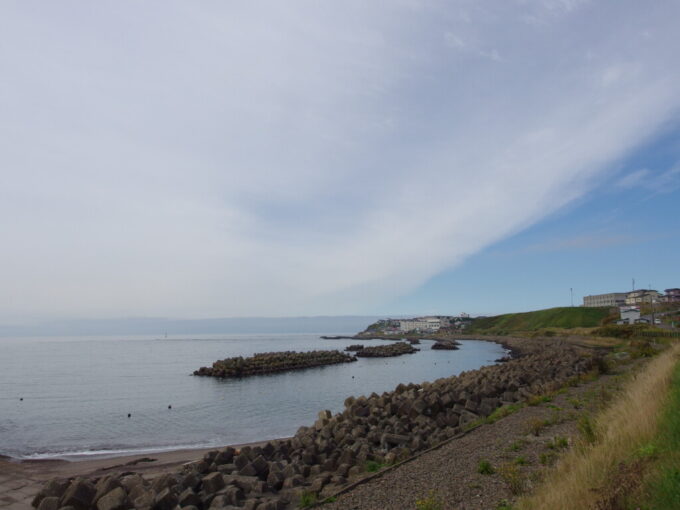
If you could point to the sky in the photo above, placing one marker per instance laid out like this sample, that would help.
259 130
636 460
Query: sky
223 159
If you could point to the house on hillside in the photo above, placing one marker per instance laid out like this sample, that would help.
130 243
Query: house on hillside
672 296
637 297
629 315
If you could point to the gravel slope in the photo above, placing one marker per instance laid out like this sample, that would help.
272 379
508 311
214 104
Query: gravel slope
451 472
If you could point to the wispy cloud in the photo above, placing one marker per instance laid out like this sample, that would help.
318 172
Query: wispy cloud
222 159
657 182
633 179
581 242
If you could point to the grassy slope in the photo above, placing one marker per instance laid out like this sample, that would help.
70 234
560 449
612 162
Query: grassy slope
661 489
636 436
567 317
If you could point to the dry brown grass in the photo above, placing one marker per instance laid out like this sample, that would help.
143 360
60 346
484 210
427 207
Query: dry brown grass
583 478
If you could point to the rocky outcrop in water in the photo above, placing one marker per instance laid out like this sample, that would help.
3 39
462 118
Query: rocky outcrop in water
323 457
386 351
450 345
354 347
271 362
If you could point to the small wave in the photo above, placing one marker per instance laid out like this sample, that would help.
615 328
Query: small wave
75 455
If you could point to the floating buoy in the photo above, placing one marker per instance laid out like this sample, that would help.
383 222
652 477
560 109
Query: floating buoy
352 377
169 407
129 415
21 399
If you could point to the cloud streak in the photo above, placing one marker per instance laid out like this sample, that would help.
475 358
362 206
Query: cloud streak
198 160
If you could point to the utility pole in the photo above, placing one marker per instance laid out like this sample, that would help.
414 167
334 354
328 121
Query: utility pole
571 291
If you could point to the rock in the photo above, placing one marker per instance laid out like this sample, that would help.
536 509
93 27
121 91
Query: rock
248 470
115 500
213 482
164 481
191 481
224 456
105 485
275 480
220 502
189 498
387 441
80 494
144 500
252 504
293 481
420 406
53 488
451 345
165 500
240 461
227 468
261 467
49 503
233 494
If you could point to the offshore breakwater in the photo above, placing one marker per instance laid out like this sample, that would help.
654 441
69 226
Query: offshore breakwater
323 457
273 362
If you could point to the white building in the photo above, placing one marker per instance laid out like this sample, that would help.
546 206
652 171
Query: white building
611 299
629 315
429 324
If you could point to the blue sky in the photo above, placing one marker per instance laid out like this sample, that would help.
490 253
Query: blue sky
627 227
193 160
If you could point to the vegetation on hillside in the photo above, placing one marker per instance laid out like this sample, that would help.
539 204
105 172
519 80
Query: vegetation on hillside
628 459
565 317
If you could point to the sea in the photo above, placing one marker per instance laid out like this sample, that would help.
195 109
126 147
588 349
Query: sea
70 397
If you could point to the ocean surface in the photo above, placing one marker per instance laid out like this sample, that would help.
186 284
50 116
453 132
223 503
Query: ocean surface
77 392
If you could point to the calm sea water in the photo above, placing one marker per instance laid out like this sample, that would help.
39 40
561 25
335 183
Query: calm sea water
77 393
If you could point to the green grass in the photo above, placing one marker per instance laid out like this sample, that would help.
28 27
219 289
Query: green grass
558 443
431 502
661 490
373 466
307 499
517 445
565 317
502 412
485 468
535 400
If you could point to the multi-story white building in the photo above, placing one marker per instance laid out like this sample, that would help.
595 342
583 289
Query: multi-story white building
429 324
611 299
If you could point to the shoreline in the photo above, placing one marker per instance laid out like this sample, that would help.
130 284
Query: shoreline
107 461
31 474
